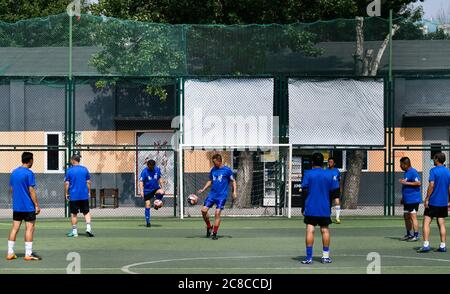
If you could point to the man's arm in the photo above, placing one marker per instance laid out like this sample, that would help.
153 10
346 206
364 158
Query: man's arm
34 199
207 185
303 200
141 189
66 188
429 192
233 185
406 183
89 185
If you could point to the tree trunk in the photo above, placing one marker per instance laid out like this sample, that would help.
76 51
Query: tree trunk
244 180
365 65
353 179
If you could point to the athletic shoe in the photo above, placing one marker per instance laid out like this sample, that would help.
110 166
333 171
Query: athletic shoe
89 233
326 260
11 256
307 261
424 249
338 220
71 234
441 249
208 232
32 257
214 237
413 239
148 225
407 237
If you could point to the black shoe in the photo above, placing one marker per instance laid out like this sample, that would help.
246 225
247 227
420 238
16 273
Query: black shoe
214 237
149 225
89 233
208 233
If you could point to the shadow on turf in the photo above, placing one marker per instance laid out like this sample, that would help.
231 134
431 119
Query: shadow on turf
395 238
153 226
302 257
203 237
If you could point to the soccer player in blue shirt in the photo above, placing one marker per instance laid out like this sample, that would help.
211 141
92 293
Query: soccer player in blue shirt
336 191
316 186
411 198
25 207
219 178
150 183
77 184
436 202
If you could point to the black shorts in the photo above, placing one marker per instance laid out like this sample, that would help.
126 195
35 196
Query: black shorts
411 208
436 211
335 194
151 195
317 221
24 216
78 206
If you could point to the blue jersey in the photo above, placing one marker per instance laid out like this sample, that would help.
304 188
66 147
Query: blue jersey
440 175
319 183
220 178
21 180
77 176
336 174
150 179
411 194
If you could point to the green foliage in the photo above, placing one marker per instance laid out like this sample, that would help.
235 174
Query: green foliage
438 35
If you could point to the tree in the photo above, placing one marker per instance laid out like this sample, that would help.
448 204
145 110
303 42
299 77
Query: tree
12 11
366 64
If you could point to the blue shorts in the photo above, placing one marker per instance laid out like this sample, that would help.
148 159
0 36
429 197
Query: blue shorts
218 201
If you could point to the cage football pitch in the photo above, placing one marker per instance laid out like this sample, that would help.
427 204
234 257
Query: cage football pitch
246 246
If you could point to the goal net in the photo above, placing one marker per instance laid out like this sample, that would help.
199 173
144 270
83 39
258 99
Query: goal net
262 175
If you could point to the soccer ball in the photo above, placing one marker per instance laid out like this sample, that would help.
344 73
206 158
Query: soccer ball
157 204
192 199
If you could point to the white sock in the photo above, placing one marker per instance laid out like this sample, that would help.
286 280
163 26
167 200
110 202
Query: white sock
426 243
74 230
28 248
11 247
442 245
88 227
326 254
338 211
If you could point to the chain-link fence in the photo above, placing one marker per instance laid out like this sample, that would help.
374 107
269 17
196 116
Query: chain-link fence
121 92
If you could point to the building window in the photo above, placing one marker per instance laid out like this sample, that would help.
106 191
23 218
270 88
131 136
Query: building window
54 158
53 152
365 167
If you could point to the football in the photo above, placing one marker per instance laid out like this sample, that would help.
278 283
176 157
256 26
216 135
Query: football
157 204
192 199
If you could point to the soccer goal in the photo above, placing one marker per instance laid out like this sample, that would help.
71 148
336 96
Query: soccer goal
262 173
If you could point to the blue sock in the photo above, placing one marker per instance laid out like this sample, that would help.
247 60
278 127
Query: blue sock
159 196
416 234
147 215
326 249
309 252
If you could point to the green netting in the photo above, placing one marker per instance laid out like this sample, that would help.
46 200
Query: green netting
107 47
111 47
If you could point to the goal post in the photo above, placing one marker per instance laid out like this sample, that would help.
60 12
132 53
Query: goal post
262 173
